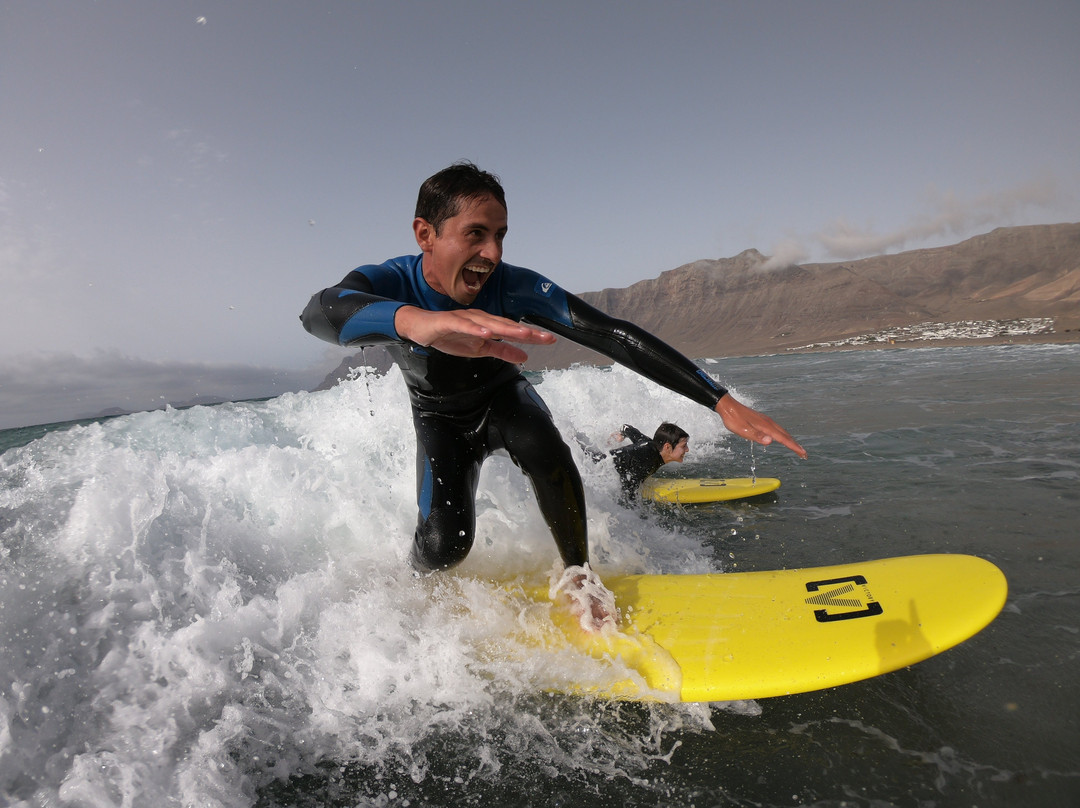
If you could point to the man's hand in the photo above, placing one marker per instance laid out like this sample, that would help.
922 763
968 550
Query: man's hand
468 332
752 425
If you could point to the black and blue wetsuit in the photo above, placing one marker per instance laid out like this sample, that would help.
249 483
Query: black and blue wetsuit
635 462
464 409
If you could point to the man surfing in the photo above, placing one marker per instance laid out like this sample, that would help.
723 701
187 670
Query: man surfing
450 318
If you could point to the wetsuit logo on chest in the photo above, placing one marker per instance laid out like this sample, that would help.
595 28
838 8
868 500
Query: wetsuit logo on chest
544 287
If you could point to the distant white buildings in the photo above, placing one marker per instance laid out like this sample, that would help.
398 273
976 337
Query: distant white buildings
965 329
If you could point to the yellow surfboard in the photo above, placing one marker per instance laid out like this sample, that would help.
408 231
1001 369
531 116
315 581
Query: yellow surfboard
752 635
700 490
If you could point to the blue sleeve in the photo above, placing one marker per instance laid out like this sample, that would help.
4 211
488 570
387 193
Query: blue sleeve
360 310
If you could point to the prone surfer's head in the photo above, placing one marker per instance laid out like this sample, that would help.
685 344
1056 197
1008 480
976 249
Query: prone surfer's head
442 194
672 442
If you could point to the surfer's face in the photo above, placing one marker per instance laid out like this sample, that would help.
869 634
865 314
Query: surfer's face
459 259
676 453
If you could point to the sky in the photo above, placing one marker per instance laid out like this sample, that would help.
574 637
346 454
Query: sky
177 179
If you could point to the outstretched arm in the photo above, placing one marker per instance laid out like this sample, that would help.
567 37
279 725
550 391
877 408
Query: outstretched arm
637 349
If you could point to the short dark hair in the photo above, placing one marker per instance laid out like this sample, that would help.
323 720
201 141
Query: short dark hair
441 194
669 433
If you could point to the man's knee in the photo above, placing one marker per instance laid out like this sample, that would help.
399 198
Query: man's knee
442 541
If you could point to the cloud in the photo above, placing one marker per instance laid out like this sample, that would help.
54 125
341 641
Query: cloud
49 388
787 253
951 215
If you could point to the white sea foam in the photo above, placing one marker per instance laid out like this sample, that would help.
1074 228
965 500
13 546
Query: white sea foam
212 607
195 604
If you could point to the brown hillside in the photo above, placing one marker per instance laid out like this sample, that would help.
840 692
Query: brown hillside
733 306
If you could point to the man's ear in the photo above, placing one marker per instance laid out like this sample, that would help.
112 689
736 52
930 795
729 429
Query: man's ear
424 233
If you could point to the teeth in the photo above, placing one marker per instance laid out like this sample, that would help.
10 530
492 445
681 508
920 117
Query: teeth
481 270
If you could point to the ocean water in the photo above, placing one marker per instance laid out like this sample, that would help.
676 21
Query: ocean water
212 607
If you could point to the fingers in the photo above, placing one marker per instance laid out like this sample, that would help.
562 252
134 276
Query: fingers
505 351
475 334
753 425
501 328
491 336
766 430
781 436
469 332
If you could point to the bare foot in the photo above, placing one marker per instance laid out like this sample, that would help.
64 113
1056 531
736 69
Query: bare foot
590 601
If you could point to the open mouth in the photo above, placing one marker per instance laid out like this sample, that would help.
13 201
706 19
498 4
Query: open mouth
474 275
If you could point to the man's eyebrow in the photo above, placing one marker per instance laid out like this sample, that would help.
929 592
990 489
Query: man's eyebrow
481 226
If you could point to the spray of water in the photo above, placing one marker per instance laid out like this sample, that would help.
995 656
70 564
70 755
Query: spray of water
202 606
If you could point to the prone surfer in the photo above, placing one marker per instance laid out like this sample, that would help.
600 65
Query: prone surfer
643 456
669 444
450 317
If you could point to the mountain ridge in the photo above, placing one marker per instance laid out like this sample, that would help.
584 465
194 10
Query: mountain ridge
735 306
743 305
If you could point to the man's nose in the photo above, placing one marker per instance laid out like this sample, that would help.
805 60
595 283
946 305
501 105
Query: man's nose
492 250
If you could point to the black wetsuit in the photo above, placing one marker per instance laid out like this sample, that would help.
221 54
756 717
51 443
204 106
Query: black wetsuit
465 409
635 462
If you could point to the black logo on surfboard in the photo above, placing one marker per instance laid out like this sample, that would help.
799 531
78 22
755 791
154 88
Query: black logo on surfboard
844 599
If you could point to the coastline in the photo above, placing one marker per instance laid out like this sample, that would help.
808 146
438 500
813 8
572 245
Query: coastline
1067 338
1029 331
